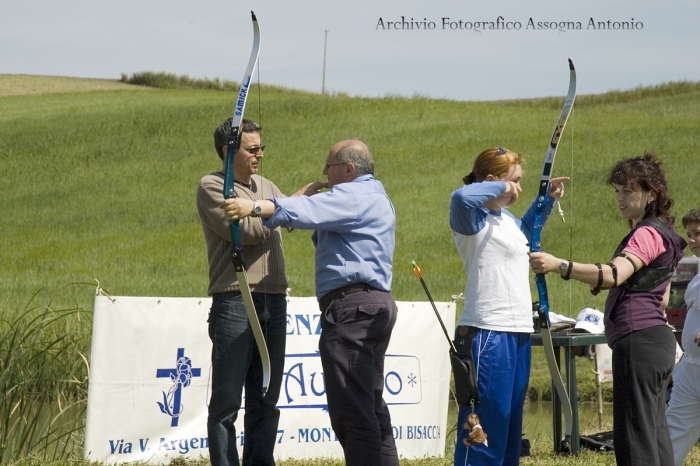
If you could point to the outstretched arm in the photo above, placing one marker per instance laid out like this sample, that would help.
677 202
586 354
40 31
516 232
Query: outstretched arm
597 278
238 208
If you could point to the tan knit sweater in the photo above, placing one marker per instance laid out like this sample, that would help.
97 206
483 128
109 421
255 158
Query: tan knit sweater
262 248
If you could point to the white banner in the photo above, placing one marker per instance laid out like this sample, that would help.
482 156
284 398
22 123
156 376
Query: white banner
150 373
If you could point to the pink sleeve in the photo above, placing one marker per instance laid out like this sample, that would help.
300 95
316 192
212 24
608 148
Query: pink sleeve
646 243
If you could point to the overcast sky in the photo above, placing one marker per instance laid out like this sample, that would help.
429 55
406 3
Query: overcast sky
365 55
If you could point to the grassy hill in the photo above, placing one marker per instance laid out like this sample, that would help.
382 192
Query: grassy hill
23 84
99 184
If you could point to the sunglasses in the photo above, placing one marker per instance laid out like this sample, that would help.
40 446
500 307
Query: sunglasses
255 149
500 151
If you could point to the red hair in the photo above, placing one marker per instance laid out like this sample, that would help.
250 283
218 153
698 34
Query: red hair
495 161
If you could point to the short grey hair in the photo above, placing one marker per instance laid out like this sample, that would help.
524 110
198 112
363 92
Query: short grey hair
359 156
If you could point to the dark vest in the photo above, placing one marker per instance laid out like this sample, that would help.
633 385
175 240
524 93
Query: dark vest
636 304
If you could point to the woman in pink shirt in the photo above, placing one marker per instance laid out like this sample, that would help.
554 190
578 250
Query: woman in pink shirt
638 279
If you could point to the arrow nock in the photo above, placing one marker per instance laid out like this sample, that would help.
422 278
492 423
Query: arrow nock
416 270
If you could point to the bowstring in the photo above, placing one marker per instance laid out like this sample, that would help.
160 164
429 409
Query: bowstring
260 171
571 207
260 163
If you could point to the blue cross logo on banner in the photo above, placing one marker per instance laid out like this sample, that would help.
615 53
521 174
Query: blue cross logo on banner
181 377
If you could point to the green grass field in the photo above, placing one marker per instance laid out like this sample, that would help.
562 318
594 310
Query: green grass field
100 184
99 177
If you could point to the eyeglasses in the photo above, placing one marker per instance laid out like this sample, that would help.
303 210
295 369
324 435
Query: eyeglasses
329 165
500 151
255 149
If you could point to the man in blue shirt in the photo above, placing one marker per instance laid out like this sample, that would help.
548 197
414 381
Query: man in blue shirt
354 225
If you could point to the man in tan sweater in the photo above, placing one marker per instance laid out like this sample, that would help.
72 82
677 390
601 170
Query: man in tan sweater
235 357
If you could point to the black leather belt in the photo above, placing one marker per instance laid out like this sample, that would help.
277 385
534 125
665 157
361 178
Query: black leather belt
343 291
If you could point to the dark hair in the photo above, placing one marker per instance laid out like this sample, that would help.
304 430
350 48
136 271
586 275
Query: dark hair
224 131
495 161
358 156
692 217
645 173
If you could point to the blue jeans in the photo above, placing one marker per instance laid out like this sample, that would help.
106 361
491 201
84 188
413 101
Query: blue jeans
236 361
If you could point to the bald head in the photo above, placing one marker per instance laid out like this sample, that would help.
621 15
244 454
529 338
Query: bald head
347 160
356 143
355 152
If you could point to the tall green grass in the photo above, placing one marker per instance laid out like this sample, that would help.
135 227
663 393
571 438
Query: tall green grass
43 380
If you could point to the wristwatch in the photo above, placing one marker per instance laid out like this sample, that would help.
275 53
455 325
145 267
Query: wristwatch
563 266
256 210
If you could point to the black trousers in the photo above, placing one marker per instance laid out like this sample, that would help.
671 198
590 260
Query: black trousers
642 363
355 331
